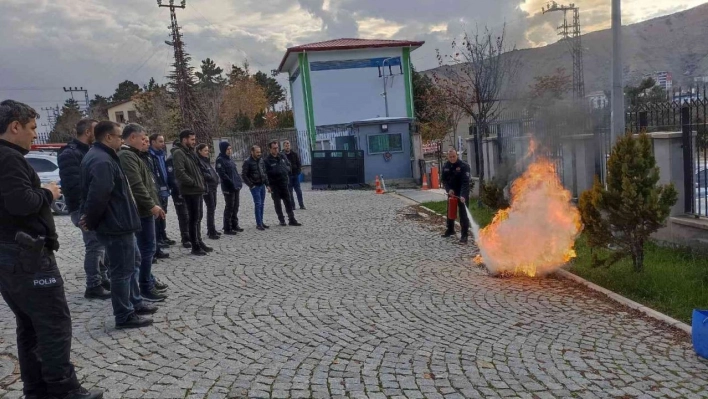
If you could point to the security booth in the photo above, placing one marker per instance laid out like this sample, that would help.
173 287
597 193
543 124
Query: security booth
386 144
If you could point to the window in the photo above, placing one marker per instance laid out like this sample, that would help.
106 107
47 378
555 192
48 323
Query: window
41 165
380 143
132 116
120 118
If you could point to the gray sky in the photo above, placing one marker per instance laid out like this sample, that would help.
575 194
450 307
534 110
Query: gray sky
48 44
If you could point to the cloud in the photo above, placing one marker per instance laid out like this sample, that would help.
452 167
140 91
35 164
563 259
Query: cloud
96 44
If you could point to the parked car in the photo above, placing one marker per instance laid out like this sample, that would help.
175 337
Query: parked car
47 167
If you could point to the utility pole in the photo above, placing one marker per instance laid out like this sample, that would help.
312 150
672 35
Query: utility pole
382 74
618 122
86 96
52 115
571 34
192 113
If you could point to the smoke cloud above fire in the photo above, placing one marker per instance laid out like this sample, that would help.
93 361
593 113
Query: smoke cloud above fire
536 234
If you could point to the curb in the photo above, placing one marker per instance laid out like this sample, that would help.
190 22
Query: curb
649 312
626 302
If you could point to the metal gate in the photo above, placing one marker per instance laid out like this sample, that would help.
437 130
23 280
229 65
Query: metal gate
337 169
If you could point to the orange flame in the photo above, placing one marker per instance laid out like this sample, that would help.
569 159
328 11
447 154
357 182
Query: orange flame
537 234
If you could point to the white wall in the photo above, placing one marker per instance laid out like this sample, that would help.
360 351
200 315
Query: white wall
347 95
298 104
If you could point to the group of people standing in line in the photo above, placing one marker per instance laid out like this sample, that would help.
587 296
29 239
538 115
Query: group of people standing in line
117 182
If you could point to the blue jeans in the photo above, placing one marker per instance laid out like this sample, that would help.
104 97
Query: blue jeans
124 264
294 183
94 265
258 193
147 246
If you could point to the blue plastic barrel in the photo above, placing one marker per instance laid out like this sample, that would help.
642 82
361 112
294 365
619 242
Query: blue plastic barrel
301 177
699 332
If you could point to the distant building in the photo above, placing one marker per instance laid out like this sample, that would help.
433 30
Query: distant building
122 112
663 79
597 99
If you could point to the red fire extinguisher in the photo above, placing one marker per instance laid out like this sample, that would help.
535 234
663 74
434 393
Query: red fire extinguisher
452 207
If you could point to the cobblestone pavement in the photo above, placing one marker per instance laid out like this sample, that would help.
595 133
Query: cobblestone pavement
362 302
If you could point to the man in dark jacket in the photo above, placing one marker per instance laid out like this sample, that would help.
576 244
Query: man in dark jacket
142 185
295 170
69 160
278 170
191 186
178 200
108 208
231 185
159 171
456 181
255 177
30 281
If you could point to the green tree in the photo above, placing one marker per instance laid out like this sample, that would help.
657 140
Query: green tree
274 91
152 85
243 123
158 111
210 74
65 127
646 93
632 207
125 91
98 107
259 120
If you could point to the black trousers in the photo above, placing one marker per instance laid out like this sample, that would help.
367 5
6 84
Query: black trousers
280 192
210 201
43 323
464 220
161 224
194 209
231 204
182 216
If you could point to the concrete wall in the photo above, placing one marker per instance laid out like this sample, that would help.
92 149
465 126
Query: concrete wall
124 108
399 167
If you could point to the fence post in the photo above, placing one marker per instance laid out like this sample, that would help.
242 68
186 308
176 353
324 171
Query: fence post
688 172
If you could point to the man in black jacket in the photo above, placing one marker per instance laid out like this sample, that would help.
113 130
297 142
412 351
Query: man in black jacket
231 185
255 177
278 170
69 159
178 201
456 180
30 281
295 170
108 208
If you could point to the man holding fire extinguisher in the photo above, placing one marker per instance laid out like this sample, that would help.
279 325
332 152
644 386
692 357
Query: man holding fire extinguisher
456 181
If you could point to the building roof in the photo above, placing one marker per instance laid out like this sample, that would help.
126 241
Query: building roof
113 105
347 44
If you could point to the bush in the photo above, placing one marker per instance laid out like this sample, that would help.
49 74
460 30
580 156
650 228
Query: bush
492 195
631 208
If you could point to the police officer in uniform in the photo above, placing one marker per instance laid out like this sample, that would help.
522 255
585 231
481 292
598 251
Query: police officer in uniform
456 181
30 281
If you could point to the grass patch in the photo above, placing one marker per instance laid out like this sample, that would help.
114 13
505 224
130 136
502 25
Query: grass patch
482 215
674 280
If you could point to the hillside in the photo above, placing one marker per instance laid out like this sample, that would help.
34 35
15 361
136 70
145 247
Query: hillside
676 43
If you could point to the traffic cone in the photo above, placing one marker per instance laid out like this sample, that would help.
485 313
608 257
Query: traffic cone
378 186
425 181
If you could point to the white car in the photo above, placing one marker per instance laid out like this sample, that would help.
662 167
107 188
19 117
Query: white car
47 167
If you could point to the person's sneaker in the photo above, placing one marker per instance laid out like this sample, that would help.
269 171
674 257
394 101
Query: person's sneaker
198 252
294 223
106 284
238 229
162 244
261 228
448 234
218 233
162 255
153 295
214 236
154 260
186 244
205 247
463 240
265 226
146 308
283 224
169 242
302 207
97 292
230 232
134 321
159 285
83 393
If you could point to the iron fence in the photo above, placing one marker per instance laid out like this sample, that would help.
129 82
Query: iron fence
241 142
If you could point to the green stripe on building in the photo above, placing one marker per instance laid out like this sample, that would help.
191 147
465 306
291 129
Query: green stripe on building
408 78
307 98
